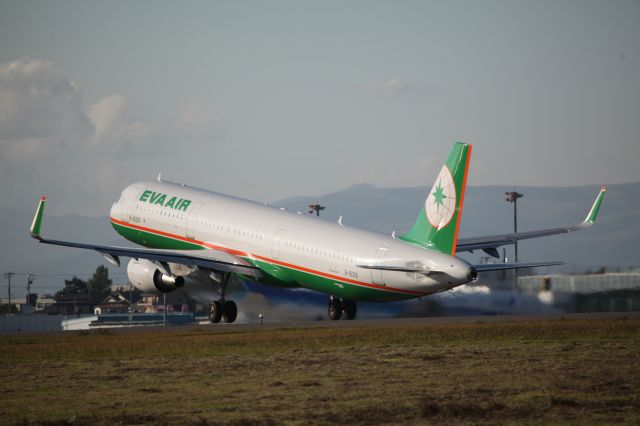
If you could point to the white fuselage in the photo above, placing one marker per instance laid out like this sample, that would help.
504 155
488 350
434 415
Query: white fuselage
291 249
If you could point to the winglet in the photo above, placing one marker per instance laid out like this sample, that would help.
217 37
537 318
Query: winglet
37 219
595 208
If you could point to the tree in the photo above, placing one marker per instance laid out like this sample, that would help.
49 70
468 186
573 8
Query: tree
73 286
4 309
99 285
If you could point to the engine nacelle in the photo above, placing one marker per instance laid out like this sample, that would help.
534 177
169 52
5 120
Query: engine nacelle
145 276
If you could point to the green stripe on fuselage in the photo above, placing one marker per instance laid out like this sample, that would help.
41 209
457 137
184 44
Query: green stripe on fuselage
275 275
151 240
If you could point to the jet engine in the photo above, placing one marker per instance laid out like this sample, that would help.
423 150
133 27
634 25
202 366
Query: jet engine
145 276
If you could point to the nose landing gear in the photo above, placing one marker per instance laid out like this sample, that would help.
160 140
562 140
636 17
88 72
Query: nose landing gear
338 306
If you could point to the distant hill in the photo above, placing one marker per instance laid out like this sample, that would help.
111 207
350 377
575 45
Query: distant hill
612 242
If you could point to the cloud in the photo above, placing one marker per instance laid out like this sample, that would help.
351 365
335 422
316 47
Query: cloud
383 88
196 122
389 88
40 110
50 141
113 120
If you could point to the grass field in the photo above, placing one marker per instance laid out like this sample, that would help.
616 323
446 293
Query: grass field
539 372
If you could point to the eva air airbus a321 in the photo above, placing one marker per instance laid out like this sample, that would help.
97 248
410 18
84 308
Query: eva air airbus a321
193 237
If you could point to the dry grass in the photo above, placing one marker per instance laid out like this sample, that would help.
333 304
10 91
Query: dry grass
566 371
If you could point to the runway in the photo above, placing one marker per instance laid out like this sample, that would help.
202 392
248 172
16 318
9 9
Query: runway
434 320
383 322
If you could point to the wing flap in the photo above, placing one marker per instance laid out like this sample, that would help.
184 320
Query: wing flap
216 260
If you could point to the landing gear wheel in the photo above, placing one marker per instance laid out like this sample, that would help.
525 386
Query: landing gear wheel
215 311
230 311
349 308
222 308
335 308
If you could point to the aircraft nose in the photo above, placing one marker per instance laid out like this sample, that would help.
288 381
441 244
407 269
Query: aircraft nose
115 210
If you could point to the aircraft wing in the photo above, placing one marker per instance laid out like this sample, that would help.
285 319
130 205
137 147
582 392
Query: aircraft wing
490 243
217 260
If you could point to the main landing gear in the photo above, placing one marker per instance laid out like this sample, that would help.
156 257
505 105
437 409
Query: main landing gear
339 306
223 309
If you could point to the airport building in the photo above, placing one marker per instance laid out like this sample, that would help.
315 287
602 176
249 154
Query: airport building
606 290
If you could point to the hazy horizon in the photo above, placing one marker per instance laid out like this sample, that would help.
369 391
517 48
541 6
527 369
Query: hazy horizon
267 100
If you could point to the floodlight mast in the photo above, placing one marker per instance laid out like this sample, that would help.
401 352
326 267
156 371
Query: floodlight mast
316 208
512 197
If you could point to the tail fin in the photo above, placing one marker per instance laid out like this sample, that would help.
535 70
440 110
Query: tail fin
439 220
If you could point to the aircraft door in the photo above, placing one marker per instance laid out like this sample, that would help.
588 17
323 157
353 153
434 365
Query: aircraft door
277 243
192 220
127 204
377 276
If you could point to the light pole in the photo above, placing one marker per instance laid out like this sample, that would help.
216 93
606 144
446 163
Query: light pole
130 303
31 301
9 275
512 197
315 208
29 282
164 311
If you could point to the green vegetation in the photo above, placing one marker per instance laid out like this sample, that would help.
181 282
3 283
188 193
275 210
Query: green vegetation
99 285
4 309
97 288
558 372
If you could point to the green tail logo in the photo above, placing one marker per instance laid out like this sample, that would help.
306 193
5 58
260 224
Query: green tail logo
438 222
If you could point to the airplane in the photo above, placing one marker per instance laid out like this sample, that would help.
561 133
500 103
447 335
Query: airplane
191 238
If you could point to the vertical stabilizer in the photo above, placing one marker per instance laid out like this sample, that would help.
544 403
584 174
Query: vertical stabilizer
439 220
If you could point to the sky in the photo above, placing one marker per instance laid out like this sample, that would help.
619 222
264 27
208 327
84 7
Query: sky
271 99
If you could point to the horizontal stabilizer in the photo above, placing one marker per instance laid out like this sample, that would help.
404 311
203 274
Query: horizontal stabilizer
418 268
504 266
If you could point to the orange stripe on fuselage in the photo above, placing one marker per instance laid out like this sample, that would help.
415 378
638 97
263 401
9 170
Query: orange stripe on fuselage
181 238
266 259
